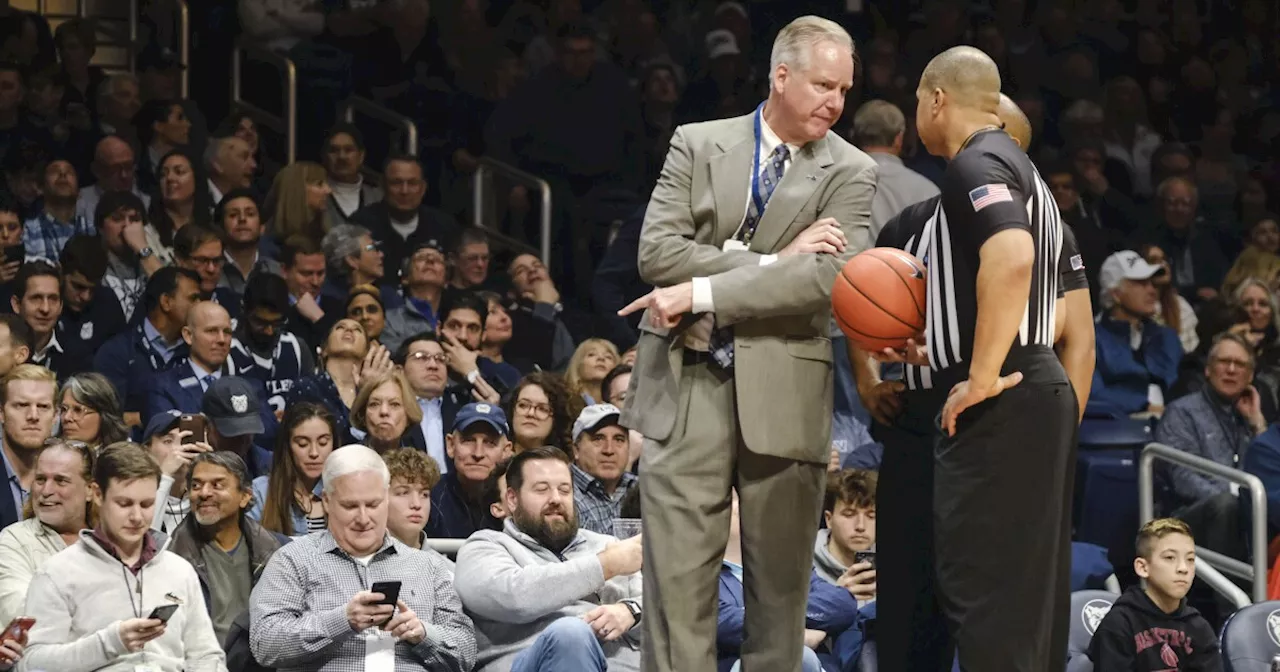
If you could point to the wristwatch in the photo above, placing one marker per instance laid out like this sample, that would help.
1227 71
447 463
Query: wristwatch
145 252
471 377
633 607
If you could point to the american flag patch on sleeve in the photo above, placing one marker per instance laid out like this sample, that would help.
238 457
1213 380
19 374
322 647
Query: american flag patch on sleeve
989 194
1077 263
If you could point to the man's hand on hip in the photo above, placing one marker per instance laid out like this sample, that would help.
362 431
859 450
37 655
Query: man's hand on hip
822 237
666 305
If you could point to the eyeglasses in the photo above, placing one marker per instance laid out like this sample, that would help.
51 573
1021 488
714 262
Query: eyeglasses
207 261
420 356
537 411
371 247
1227 362
75 411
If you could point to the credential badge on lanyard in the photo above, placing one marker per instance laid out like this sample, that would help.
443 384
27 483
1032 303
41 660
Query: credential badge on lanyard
741 239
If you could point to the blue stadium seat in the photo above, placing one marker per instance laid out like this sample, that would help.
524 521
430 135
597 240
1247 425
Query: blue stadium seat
1251 638
1114 433
1106 507
1087 609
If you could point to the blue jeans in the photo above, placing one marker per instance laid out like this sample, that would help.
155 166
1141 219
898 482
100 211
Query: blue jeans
567 645
808 662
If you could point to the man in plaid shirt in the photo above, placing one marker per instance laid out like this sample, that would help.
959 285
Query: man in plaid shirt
48 232
313 609
600 478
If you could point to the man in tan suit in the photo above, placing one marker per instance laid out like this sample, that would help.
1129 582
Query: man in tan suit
750 222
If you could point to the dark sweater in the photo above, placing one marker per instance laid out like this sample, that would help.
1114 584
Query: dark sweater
1137 636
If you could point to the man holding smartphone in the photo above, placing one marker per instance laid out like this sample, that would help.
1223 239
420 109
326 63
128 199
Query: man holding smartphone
844 553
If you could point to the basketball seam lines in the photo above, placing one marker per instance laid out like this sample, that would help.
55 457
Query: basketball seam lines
898 275
873 301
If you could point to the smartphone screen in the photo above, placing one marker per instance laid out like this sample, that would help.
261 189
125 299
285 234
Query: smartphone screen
865 556
14 253
163 612
390 591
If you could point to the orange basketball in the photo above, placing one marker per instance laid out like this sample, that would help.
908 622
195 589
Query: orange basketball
878 298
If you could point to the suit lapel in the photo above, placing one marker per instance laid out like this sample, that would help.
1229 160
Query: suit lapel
730 175
807 171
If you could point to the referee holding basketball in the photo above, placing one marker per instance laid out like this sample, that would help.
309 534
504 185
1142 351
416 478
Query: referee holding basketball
1008 424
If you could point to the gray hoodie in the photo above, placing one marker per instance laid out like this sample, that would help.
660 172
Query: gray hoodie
827 566
513 588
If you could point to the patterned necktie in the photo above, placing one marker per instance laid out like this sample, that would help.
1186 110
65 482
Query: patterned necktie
207 381
721 342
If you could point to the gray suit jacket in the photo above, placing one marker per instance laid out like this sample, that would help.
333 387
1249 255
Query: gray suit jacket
780 312
898 187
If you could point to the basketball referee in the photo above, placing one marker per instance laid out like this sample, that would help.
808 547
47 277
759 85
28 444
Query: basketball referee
910 631
1002 464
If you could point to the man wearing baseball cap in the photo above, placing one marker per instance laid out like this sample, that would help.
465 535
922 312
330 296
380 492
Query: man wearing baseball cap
477 442
234 408
163 440
1137 360
600 476
422 275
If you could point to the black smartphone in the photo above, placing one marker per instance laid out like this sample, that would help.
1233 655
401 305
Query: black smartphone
390 591
16 253
194 424
865 556
163 612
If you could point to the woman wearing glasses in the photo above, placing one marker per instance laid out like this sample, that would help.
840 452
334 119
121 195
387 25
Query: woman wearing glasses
90 411
536 409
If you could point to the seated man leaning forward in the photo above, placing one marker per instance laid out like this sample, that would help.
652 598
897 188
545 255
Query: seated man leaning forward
316 608
545 595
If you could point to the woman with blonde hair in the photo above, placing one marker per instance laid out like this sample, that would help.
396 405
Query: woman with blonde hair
1253 262
1258 320
591 362
299 201
385 409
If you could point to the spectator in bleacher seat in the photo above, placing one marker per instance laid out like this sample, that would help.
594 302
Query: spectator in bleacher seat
15 342
614 390
233 405
162 127
1172 309
299 202
495 488
1137 359
21 177
62 503
182 200
601 451
477 441
1259 313
120 220
829 611
345 358
227 549
230 162
568 598
878 129
425 367
1251 263
84 322
48 232
77 43
538 411
279 25
133 359
114 170
207 334
118 100
264 349
422 279
470 260
494 338
1216 423
311 314
364 305
290 500
312 609
344 153
591 362
91 603
400 222
89 411
11 233
27 414
413 475
540 334
384 410
164 440
353 257
240 220
849 514
37 299
1151 627
1199 264
462 320
199 249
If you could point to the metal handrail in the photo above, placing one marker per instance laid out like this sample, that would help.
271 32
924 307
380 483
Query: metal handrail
375 111
1256 572
446 546
289 124
82 10
184 46
510 172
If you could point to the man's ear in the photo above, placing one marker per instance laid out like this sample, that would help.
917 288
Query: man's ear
187 335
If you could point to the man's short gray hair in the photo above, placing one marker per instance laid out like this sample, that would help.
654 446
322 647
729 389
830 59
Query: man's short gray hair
342 241
795 42
877 123
227 460
353 459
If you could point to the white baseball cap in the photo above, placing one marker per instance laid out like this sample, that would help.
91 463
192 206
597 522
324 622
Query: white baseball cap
1125 265
721 42
594 418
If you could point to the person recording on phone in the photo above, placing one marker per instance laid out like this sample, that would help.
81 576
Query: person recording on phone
334 599
173 439
844 553
113 600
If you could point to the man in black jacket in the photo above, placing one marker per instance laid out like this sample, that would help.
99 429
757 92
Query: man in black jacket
1153 629
400 221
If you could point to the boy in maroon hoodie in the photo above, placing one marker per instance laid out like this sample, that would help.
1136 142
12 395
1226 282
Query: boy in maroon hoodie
1153 629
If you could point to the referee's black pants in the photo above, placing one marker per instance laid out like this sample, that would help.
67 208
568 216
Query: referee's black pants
1002 492
910 632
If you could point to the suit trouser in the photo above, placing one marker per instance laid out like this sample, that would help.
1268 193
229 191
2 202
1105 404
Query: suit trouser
685 497
1000 487
910 632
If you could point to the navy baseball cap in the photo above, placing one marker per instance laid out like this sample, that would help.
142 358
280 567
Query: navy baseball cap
480 412
231 404
161 423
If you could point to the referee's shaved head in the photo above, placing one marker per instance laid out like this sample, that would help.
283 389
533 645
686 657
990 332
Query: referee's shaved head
968 77
1015 122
